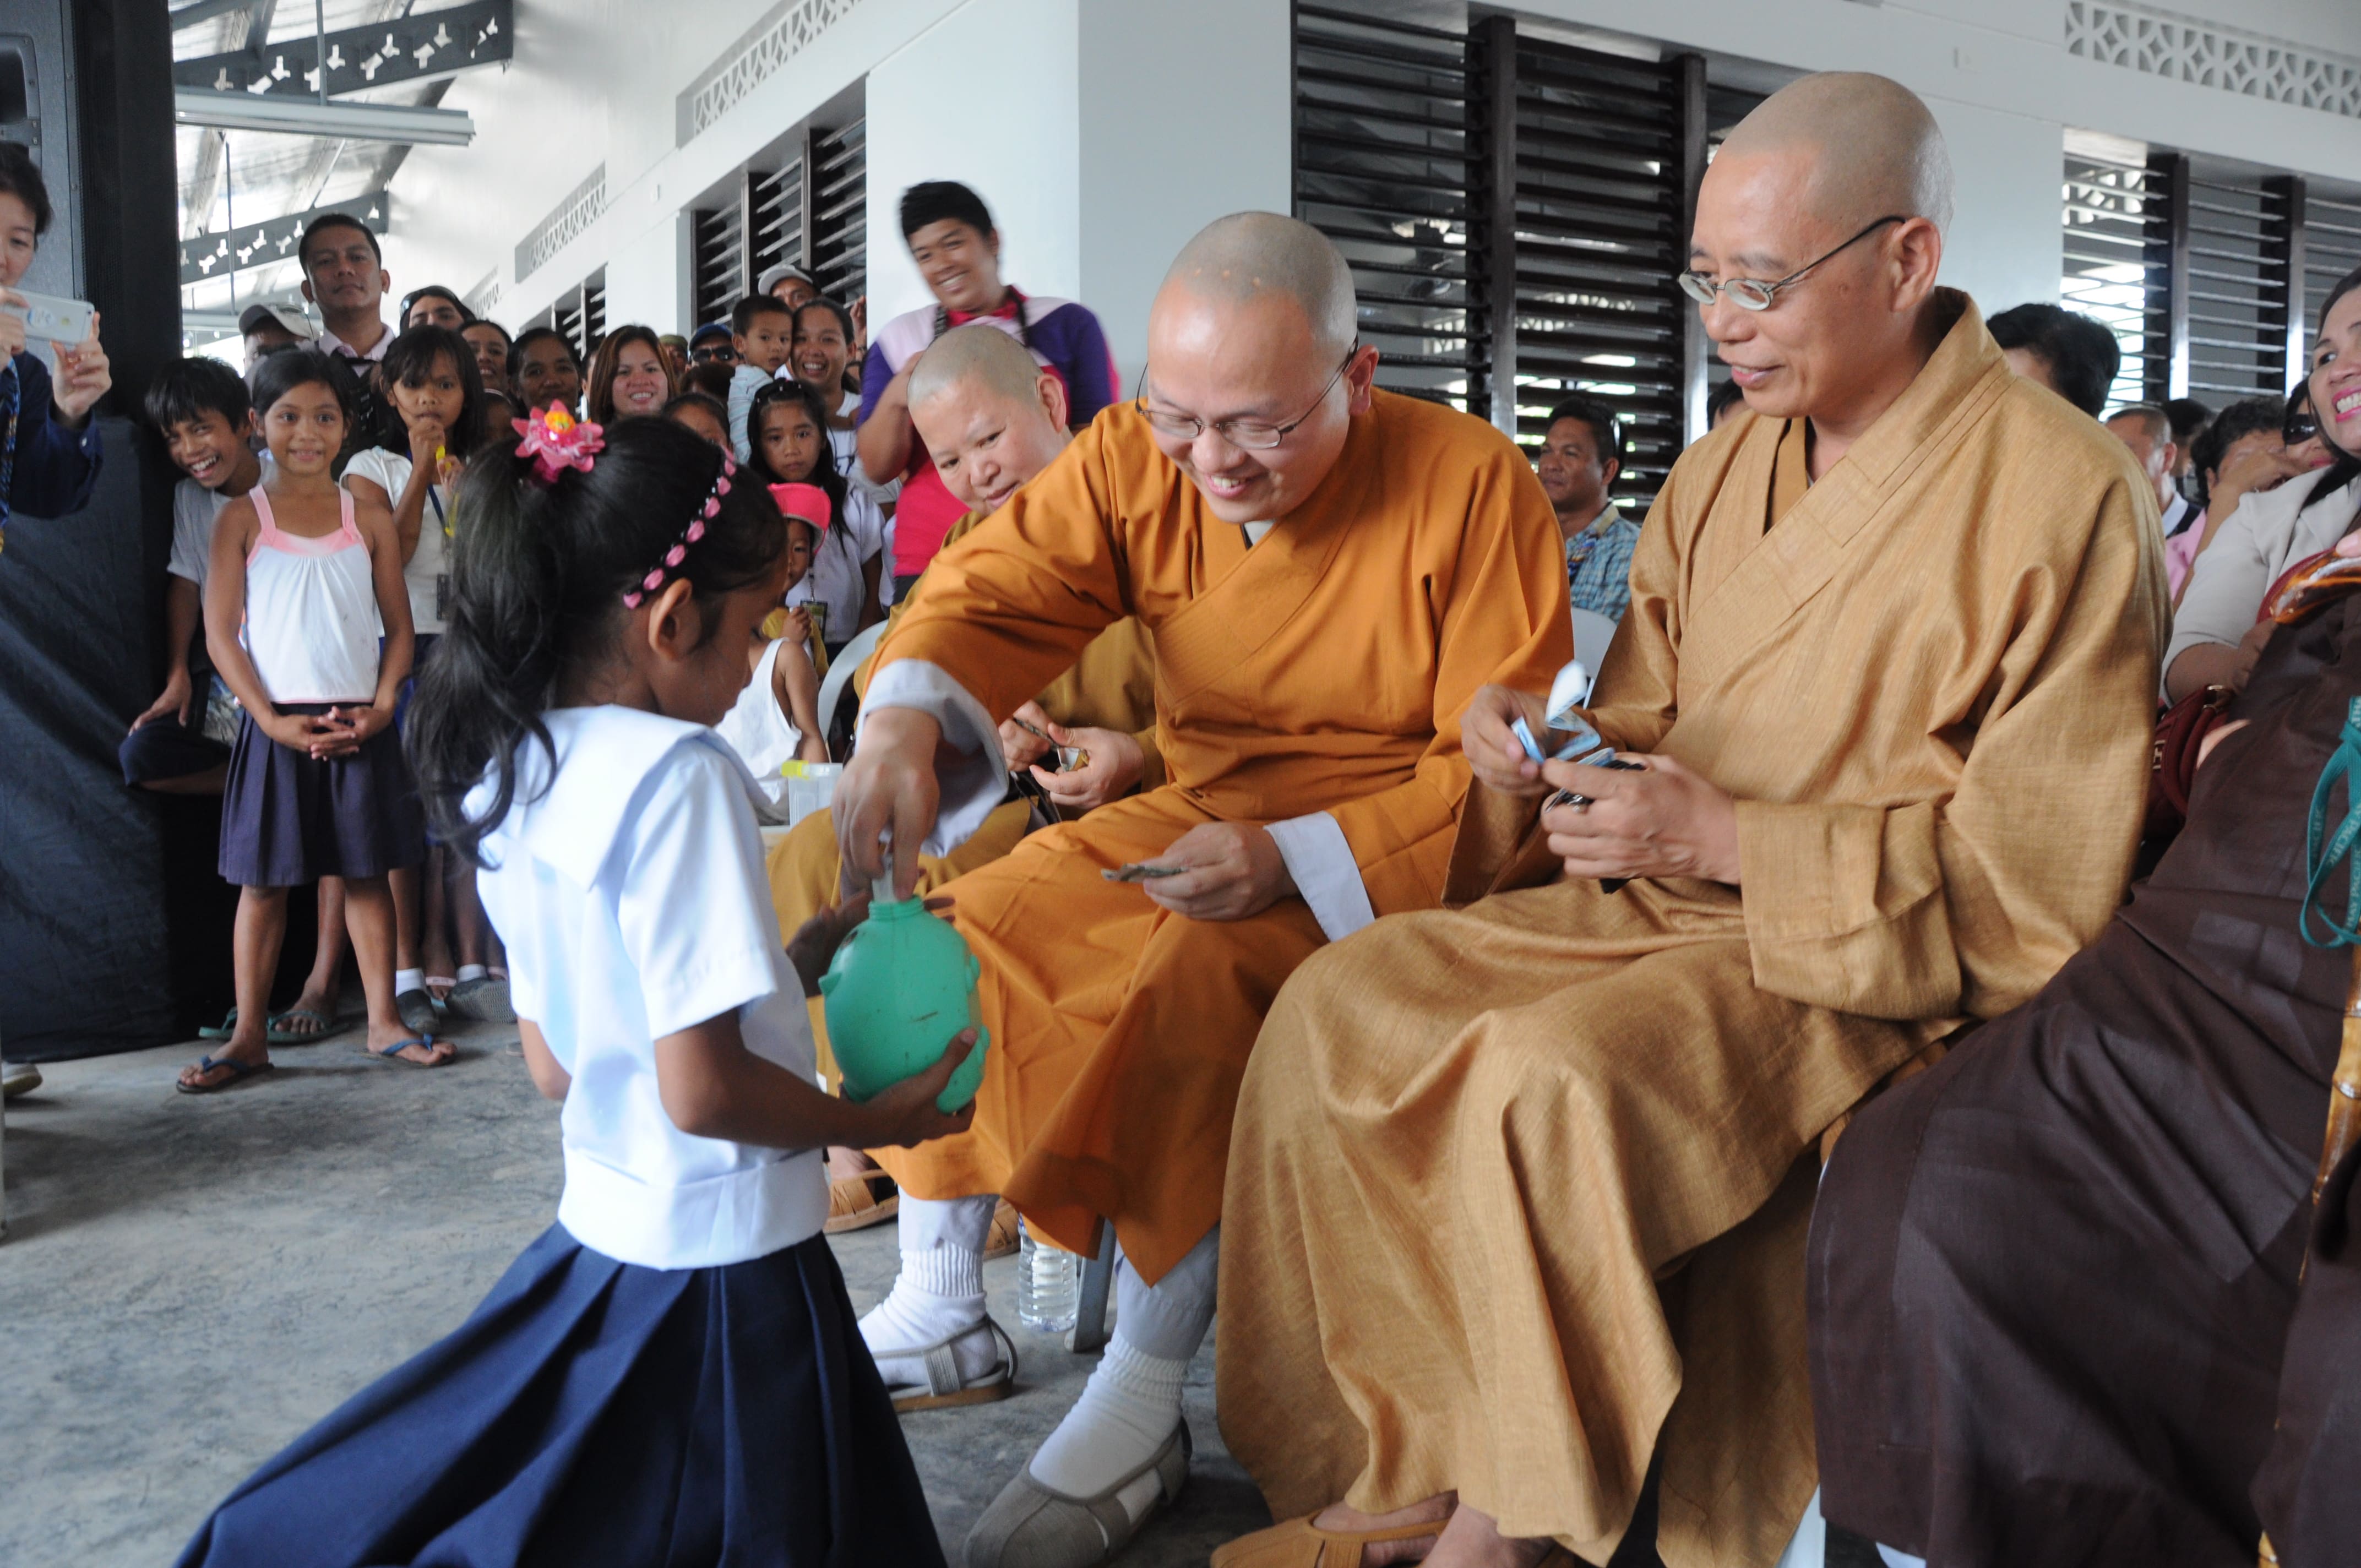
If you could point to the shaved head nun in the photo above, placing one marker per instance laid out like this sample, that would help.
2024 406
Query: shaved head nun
1248 256
1876 148
975 355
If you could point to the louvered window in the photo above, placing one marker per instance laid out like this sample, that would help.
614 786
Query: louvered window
839 207
717 261
2110 232
594 315
774 217
2237 287
1381 168
2331 247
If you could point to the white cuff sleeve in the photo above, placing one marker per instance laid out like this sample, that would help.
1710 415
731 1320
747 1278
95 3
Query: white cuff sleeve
975 780
1320 861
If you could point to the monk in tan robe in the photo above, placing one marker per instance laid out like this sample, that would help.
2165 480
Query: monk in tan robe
994 418
1331 574
1518 1194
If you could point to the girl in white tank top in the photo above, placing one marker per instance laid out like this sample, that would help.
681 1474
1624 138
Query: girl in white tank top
303 579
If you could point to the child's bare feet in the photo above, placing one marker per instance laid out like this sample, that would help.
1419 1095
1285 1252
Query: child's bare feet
311 1016
242 1056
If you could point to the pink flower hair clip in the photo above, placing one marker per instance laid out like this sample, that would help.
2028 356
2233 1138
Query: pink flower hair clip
674 556
557 441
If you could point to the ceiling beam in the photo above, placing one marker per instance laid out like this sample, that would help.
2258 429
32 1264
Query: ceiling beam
305 116
205 11
415 47
259 245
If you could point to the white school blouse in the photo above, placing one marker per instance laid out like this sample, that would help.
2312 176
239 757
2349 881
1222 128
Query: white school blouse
631 892
430 564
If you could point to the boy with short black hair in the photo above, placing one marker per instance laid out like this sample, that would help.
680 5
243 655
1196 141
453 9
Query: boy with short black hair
200 409
763 332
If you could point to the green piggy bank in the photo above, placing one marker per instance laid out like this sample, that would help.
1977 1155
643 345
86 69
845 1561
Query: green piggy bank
899 987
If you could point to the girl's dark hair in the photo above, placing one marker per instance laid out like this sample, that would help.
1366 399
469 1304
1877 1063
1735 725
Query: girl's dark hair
21 177
792 392
276 375
601 386
2347 466
409 360
538 590
696 399
188 389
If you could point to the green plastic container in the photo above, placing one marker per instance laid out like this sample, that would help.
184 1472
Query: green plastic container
900 987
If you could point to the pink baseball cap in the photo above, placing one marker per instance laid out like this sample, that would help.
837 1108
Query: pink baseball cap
808 503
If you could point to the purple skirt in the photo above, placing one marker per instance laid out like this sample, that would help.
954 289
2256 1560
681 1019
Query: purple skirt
288 820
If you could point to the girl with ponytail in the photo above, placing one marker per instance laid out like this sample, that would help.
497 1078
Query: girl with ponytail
673 1371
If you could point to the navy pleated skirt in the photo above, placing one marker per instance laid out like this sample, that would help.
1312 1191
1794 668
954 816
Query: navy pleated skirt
593 1412
290 818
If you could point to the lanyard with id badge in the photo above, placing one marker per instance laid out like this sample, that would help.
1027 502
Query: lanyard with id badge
442 577
1584 746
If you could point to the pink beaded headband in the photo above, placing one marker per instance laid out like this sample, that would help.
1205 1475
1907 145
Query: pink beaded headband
688 536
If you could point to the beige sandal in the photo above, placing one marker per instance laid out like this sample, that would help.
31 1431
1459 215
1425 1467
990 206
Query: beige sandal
853 1203
1001 1240
1300 1543
944 1387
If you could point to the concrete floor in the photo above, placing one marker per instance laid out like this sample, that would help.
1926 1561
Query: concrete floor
189 1282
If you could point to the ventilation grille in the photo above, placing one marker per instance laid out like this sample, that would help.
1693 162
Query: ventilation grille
717 262
2238 239
774 217
839 257
1381 168
2110 206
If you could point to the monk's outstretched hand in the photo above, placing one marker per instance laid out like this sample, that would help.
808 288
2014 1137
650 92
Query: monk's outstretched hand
1495 753
1664 821
1230 871
889 783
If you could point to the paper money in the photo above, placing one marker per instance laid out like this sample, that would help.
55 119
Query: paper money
1140 870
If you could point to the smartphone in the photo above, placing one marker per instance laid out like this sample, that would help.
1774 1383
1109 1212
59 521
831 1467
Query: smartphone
52 316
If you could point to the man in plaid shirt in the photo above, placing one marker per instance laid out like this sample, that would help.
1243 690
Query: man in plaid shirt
1581 453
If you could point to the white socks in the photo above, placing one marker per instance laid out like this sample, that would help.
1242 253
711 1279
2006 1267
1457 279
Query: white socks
1126 1412
938 1294
472 972
409 980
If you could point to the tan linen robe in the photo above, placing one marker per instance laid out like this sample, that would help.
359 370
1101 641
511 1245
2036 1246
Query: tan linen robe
1517 1191
1322 669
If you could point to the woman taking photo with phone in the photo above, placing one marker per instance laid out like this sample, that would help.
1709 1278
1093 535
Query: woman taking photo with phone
49 447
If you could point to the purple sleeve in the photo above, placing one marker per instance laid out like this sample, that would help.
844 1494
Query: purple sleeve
875 374
1087 364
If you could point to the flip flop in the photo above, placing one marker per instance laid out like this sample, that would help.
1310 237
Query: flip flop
279 1036
228 1028
392 1052
240 1071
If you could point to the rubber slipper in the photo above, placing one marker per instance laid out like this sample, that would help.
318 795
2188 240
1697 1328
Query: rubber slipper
484 999
417 1009
240 1071
279 1034
392 1052
228 1028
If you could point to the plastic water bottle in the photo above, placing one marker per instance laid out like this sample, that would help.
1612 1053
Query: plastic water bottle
1048 1284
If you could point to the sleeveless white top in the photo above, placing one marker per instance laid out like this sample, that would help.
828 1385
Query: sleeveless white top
310 611
762 734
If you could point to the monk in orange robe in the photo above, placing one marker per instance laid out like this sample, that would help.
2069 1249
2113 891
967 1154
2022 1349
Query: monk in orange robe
1331 572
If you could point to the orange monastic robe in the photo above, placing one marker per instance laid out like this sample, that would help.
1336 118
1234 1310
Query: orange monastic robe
1322 669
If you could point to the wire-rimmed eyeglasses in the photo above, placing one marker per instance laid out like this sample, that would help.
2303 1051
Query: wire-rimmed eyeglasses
1247 434
1752 294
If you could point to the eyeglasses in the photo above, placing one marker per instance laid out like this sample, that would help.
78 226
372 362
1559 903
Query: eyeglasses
1246 434
1752 294
713 353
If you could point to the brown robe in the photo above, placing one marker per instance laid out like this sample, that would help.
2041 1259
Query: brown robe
2051 1278
1518 1194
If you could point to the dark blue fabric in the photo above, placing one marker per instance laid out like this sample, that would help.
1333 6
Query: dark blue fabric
290 818
166 748
592 1412
55 467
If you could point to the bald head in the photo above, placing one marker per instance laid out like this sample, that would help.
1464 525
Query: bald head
1248 258
977 358
1874 147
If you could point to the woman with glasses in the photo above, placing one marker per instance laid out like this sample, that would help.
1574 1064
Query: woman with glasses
2262 531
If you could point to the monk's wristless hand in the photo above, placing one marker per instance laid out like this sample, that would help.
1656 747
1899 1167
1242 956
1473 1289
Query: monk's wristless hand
1235 870
1025 736
1116 763
890 783
1495 755
1664 821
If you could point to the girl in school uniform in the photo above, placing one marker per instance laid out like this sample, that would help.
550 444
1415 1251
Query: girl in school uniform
787 429
304 577
775 719
430 379
671 1373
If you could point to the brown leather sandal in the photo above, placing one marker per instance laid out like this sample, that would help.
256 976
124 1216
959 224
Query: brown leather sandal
853 1203
1300 1543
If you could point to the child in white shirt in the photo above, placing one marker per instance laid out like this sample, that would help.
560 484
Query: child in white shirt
673 1372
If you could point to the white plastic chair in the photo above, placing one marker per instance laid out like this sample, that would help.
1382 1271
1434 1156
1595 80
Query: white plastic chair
839 672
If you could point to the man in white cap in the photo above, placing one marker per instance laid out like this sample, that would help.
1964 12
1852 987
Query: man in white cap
268 328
